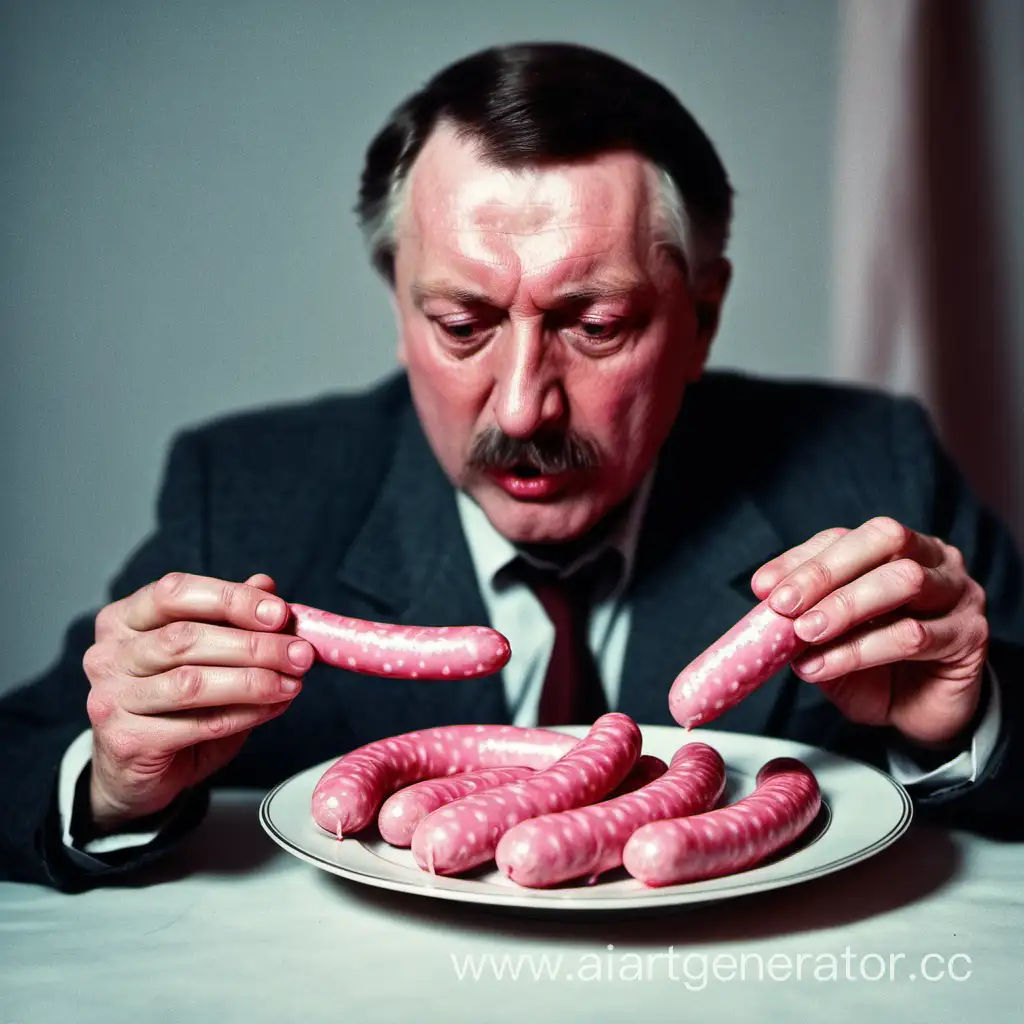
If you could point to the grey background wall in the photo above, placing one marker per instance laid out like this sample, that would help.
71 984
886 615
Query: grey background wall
177 235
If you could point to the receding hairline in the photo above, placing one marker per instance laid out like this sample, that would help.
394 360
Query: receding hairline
667 218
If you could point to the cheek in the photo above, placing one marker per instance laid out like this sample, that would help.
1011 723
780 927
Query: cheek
631 408
448 395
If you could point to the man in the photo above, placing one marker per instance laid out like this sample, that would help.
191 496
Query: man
553 226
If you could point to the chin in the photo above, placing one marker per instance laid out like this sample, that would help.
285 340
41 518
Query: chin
536 522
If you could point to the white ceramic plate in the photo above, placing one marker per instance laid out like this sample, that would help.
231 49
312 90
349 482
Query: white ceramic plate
863 812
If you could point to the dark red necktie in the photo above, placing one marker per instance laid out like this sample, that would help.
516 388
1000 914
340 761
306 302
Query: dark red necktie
572 692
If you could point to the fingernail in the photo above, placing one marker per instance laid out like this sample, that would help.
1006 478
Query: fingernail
269 612
810 627
786 600
290 686
814 663
300 654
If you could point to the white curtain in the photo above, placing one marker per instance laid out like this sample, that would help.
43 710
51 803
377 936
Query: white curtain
921 255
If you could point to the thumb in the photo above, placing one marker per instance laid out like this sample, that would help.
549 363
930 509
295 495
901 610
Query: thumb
212 755
864 697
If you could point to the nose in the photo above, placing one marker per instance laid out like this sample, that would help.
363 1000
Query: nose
528 389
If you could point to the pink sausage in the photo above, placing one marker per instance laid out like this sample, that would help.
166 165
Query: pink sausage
349 794
728 839
466 832
401 652
760 644
404 810
587 841
647 769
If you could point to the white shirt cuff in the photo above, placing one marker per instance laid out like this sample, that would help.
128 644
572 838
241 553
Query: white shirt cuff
967 765
75 760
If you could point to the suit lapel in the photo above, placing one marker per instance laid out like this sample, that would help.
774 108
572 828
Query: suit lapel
703 537
409 563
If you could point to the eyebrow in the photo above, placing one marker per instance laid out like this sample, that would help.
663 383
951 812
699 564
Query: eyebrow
440 290
617 287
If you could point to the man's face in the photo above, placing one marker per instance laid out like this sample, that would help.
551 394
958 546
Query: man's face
535 306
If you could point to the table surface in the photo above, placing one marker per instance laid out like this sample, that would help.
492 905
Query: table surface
232 928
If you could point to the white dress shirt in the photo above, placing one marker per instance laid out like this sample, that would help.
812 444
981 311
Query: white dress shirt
515 611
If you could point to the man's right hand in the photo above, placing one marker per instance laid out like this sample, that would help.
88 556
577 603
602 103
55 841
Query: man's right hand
181 672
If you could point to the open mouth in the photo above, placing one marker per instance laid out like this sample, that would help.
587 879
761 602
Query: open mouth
528 482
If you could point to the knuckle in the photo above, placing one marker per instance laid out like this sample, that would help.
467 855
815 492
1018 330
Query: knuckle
845 604
186 685
893 533
911 635
255 645
908 575
106 620
178 638
851 655
229 595
258 682
956 559
224 723
99 707
833 533
96 663
981 633
817 574
170 586
122 745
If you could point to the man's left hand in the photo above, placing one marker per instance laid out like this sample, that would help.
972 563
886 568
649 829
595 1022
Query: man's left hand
896 625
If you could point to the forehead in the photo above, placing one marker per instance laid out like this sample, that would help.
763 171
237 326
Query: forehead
468 213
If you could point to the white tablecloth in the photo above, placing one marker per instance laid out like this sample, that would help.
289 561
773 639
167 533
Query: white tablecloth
232 928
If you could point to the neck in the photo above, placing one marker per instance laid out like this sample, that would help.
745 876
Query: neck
564 553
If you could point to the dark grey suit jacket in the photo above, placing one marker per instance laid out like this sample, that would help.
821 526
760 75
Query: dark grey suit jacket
343 503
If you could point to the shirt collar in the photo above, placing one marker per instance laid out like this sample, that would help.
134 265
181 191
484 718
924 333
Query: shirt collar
491 551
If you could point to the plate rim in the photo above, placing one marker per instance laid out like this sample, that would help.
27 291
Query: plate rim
648 898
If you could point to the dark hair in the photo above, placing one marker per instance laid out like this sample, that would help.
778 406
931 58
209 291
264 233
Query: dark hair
528 104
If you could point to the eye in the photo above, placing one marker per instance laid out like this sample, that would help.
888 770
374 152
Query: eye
460 332
465 336
596 330
599 331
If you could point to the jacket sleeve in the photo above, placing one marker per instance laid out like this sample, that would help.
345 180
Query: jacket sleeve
40 719
950 509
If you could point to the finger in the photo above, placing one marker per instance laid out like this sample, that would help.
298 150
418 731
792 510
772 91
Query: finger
874 543
191 686
904 639
882 590
196 643
769 575
153 738
262 582
181 596
110 624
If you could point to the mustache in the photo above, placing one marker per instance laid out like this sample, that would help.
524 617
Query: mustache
546 453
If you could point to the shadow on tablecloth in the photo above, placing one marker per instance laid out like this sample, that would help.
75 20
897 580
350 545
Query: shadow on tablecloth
228 843
917 865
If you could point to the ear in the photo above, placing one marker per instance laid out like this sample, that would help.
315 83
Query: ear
400 351
708 296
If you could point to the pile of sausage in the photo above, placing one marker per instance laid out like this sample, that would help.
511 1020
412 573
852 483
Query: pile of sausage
547 807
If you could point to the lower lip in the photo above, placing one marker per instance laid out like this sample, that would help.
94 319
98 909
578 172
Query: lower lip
529 488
